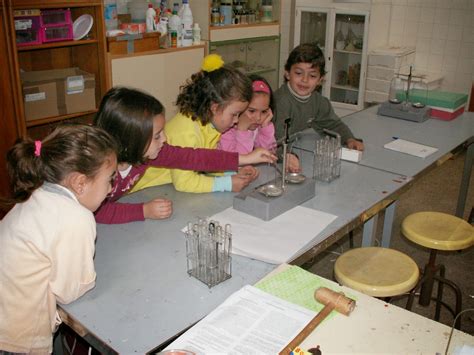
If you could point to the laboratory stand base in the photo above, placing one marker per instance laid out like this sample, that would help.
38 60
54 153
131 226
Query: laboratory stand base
265 207
411 114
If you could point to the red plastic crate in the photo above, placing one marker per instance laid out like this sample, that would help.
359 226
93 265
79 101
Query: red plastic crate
28 30
56 17
56 25
56 33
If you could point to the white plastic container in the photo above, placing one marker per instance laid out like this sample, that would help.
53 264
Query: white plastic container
150 19
110 15
175 27
187 22
196 34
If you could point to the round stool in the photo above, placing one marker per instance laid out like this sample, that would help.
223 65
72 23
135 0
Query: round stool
378 272
437 231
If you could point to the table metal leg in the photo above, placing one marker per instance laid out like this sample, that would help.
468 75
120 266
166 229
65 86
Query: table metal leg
388 224
466 175
368 235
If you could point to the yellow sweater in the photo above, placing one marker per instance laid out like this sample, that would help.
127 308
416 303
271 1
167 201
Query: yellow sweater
184 132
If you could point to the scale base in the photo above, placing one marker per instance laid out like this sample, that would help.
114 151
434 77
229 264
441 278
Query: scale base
267 208
412 114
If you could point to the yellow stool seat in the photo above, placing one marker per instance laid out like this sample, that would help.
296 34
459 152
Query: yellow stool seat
378 272
436 230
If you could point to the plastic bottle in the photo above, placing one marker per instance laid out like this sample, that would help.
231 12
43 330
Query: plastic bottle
196 34
110 14
187 22
174 25
150 19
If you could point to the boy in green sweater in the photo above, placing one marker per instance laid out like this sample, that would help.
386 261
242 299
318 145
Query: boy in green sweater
299 100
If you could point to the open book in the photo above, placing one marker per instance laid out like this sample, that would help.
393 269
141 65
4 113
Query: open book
250 321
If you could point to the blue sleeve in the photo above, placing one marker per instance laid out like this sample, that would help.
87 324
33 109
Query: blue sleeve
222 183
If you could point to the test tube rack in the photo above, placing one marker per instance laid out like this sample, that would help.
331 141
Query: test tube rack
208 248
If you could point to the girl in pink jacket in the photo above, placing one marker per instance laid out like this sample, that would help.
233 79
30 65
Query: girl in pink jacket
255 128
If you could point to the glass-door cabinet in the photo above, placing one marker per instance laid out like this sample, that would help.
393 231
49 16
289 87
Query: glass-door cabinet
258 55
342 36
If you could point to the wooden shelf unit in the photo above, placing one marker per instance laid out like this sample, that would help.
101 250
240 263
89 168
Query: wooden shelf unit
87 54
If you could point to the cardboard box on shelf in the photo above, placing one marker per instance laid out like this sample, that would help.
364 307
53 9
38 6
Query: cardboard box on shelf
49 93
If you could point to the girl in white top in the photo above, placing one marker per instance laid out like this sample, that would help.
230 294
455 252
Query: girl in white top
47 239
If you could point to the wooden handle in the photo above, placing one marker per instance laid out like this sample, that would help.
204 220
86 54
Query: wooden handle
307 330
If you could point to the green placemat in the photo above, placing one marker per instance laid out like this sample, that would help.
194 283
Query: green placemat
297 286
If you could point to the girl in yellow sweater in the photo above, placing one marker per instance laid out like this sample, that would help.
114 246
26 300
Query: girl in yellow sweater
209 104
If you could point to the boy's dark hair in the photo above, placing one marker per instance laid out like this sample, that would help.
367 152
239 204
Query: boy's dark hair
307 53
220 86
255 77
69 148
127 114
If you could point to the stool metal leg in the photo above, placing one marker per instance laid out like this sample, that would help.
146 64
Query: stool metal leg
427 286
439 297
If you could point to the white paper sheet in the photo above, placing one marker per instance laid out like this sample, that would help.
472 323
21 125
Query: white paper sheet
407 147
277 240
250 321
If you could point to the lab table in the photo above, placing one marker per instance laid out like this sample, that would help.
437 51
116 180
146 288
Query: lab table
446 136
144 296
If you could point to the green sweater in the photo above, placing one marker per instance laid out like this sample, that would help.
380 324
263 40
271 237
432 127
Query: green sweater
317 112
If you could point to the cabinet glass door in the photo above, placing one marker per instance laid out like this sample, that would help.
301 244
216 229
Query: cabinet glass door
347 58
313 28
313 25
252 56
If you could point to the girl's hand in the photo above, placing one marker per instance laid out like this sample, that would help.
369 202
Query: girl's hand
258 155
354 144
159 208
243 178
268 118
292 163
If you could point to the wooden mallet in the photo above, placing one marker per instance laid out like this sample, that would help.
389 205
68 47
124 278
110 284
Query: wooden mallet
332 301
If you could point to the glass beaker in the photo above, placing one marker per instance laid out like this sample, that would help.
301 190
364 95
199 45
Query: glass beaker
396 93
418 93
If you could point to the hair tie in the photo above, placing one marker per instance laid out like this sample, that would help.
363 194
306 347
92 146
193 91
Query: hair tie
260 86
37 148
212 62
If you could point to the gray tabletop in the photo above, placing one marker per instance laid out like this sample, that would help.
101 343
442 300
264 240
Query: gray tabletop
143 295
379 130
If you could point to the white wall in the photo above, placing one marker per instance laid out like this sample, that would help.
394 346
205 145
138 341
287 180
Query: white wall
442 31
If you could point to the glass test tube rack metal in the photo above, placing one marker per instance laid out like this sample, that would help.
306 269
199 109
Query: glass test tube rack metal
326 153
208 248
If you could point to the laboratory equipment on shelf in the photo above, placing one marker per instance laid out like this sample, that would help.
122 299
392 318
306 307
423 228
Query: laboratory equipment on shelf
407 99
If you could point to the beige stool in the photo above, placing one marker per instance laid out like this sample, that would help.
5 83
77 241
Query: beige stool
437 231
378 272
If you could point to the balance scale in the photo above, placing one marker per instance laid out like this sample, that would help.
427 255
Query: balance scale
396 108
275 196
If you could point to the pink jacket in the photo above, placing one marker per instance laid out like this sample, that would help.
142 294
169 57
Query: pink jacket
243 142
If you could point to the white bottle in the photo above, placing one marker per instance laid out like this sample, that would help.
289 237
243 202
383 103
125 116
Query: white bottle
196 34
175 27
150 19
187 22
